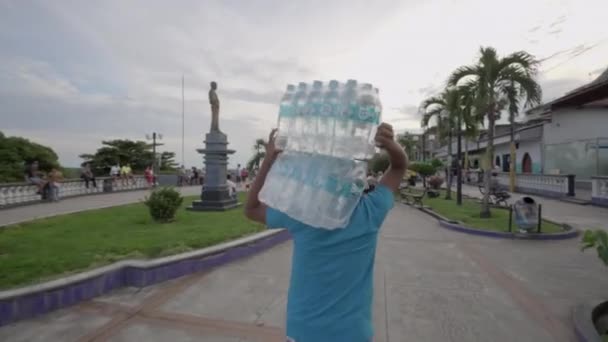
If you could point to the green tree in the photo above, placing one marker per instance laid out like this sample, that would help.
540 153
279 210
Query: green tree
498 82
424 169
17 152
167 161
443 108
258 155
406 140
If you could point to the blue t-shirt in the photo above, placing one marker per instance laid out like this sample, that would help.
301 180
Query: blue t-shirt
330 292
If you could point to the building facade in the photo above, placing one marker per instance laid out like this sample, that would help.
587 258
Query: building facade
568 135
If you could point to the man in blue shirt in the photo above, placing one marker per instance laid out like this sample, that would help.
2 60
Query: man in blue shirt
331 286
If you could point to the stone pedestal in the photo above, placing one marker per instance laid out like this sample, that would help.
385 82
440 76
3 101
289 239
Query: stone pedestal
215 195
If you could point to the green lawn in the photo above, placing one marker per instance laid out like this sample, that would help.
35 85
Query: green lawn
45 248
468 214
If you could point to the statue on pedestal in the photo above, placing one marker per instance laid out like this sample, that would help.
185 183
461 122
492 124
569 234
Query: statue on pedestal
215 194
214 101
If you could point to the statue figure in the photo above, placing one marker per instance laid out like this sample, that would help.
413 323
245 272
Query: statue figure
215 108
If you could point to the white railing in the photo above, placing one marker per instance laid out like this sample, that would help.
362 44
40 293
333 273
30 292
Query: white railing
12 194
548 185
599 190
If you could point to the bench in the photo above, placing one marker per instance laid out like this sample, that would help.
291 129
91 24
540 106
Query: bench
414 198
497 196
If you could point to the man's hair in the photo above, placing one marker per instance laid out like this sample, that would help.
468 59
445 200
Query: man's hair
227 176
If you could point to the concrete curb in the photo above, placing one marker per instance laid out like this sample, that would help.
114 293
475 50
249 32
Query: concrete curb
582 318
34 300
457 226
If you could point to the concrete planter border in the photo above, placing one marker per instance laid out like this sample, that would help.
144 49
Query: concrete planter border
584 317
568 233
34 300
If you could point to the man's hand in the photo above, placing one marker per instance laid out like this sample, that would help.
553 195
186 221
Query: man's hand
385 138
384 135
254 209
271 149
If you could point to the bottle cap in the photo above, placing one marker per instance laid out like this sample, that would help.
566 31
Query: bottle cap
333 84
291 87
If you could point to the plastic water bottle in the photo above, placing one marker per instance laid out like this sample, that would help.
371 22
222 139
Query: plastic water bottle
286 122
313 108
326 124
342 136
363 121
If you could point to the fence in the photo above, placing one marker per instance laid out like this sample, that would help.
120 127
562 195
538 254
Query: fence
544 185
14 194
599 190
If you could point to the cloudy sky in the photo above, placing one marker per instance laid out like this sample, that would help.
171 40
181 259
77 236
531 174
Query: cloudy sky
73 73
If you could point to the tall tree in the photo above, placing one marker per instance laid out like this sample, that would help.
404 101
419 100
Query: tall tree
167 161
444 109
406 140
258 155
498 81
467 125
17 152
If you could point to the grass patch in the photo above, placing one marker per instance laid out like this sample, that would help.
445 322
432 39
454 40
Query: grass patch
46 248
468 214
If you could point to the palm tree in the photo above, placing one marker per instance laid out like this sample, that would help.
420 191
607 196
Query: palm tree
466 119
443 107
258 156
498 82
407 142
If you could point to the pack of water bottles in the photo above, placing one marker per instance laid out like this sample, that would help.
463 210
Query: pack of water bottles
326 133
334 119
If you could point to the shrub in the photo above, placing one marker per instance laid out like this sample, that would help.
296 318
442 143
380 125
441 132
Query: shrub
424 169
163 204
435 182
597 239
437 164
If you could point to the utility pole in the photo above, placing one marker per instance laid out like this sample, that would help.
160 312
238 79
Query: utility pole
155 136
183 121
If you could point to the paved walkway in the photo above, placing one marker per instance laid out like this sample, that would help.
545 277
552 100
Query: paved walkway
579 216
431 284
80 203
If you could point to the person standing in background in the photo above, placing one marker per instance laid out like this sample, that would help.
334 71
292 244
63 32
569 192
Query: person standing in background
55 178
34 176
87 175
238 173
115 172
244 175
149 174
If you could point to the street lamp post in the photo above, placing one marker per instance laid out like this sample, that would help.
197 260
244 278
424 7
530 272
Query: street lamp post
155 136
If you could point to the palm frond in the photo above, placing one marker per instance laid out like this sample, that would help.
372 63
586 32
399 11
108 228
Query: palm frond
521 59
462 73
433 100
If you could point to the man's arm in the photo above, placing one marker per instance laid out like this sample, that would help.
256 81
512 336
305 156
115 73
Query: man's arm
254 209
396 155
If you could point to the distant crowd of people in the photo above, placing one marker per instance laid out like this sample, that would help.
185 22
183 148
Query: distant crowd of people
192 176
48 184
